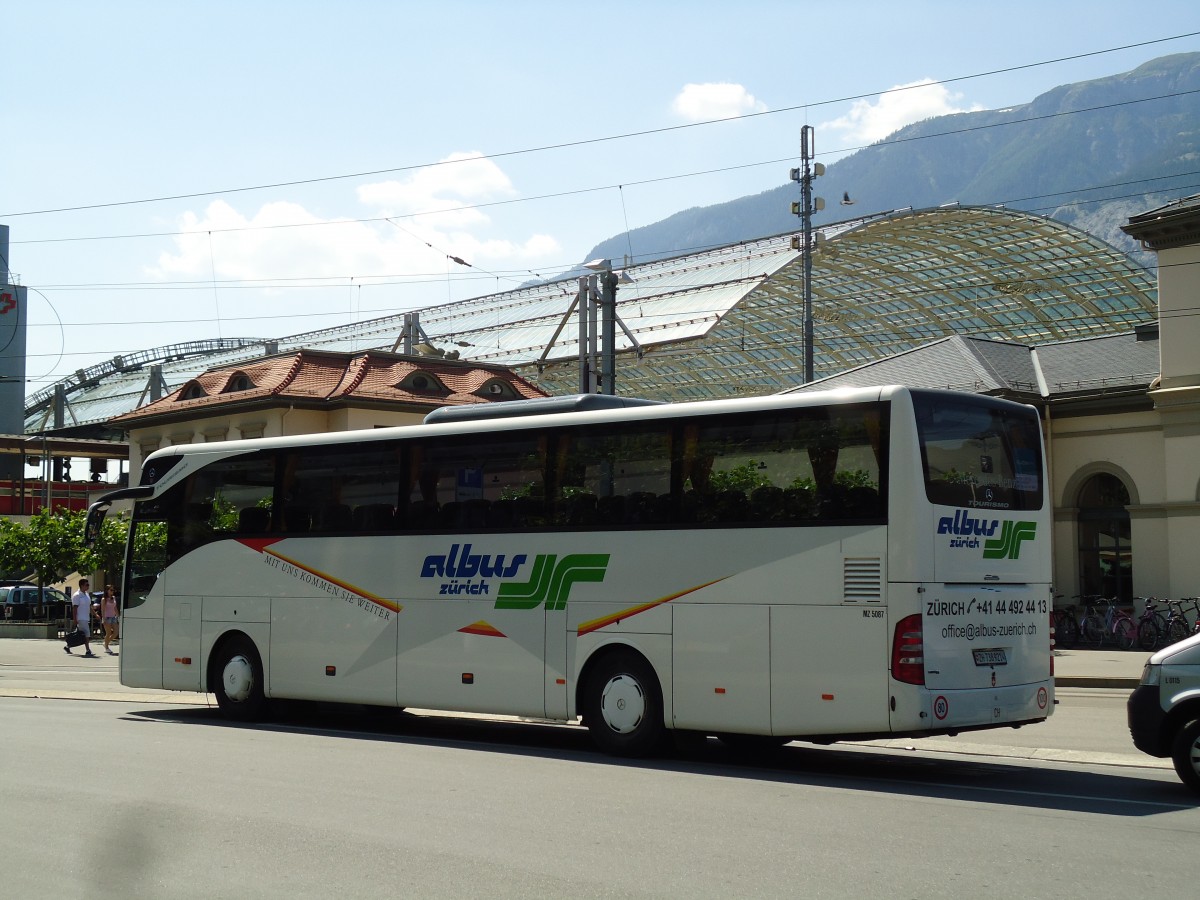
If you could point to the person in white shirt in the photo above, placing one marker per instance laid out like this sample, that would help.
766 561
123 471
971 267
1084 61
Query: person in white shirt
82 603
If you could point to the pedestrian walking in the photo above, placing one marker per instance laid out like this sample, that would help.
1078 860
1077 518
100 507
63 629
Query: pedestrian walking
82 603
108 615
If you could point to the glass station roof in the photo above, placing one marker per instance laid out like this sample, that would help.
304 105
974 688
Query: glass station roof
888 284
729 321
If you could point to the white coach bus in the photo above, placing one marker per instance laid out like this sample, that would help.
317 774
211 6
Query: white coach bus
859 563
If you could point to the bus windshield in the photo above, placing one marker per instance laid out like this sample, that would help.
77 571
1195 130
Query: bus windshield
978 454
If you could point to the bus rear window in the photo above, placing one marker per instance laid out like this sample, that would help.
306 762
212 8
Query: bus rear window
978 452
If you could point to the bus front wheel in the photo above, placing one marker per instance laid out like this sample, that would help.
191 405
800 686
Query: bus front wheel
238 680
622 706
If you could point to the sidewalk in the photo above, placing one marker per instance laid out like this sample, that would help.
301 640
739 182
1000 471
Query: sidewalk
1107 668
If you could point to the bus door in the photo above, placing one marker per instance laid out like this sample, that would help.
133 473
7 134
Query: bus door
555 668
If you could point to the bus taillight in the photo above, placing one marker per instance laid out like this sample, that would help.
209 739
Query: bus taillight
908 651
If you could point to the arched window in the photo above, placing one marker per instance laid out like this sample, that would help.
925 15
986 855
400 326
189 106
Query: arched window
1105 550
497 389
192 391
419 382
238 381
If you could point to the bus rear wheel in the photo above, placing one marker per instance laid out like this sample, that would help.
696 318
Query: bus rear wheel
237 677
622 705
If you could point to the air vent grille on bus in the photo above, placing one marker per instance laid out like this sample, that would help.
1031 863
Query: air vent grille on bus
862 579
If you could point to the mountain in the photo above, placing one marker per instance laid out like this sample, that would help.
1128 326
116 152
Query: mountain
1039 157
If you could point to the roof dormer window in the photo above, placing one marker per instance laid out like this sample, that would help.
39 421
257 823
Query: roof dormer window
423 383
238 381
192 391
497 389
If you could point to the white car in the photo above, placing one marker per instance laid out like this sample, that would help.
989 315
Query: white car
1164 710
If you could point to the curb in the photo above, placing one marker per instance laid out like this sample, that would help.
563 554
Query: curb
1100 681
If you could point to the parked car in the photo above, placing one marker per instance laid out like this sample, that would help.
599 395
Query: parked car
27 601
1164 710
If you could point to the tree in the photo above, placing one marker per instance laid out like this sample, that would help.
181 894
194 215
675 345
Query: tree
51 545
14 548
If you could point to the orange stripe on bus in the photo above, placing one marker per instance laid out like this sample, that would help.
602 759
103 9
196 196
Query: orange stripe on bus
345 585
483 629
596 624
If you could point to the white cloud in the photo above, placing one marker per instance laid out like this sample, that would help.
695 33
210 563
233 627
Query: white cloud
701 102
237 245
458 180
904 104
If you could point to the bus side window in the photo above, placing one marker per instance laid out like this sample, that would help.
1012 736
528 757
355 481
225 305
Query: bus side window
297 517
374 517
197 524
335 517
614 477
254 520
460 484
421 515
783 468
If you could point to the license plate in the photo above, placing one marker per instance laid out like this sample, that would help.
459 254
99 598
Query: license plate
990 658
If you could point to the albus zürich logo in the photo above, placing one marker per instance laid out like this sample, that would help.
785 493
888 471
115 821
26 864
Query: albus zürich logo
549 580
966 530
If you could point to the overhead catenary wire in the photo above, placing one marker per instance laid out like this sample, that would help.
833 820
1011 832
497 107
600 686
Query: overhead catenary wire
323 282
620 187
804 107
287 282
470 207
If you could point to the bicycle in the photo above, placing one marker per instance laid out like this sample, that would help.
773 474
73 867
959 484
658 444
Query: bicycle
1065 623
1151 625
1091 623
1194 602
1177 627
1120 625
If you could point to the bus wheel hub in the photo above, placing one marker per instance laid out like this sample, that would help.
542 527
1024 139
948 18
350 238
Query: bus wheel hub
238 678
623 704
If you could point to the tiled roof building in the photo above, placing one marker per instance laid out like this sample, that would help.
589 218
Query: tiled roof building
313 391
320 379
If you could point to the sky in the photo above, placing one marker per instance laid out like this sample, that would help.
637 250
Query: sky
184 171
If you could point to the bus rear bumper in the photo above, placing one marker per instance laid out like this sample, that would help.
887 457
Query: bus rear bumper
959 710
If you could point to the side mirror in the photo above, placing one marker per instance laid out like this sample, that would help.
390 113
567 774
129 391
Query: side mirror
95 518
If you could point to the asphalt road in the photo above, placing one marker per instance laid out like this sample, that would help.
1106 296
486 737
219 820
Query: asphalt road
128 799
115 792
